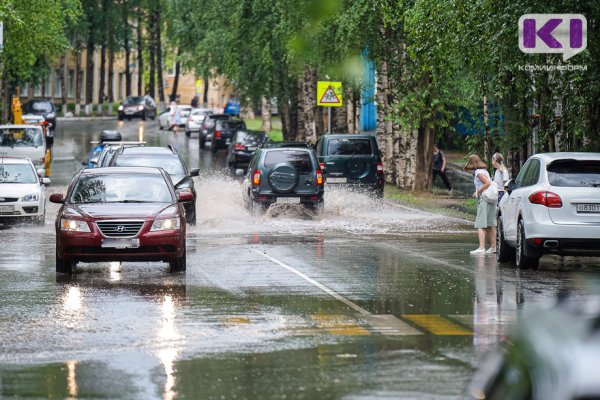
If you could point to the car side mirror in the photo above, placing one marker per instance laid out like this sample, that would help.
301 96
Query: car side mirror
195 171
185 196
510 186
57 198
46 181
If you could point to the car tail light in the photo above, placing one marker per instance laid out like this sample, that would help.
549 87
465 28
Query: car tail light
545 198
535 241
379 168
322 165
256 177
319 177
238 146
218 134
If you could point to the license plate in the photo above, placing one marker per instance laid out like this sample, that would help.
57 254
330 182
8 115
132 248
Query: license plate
228 141
121 243
588 208
7 208
129 112
337 180
288 200
251 148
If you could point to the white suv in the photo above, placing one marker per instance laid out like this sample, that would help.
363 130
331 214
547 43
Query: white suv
22 191
552 207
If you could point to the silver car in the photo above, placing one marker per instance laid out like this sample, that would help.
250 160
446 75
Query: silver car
163 119
552 207
195 120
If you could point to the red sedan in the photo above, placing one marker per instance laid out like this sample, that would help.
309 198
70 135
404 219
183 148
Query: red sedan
120 214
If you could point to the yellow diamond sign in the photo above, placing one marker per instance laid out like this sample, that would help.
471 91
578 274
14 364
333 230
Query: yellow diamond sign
329 94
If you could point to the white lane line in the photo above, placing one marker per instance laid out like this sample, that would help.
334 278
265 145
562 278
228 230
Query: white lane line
324 288
382 324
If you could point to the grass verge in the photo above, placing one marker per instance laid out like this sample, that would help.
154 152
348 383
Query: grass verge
276 134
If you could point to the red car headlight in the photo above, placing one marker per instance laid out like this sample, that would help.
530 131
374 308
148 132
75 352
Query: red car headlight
73 225
168 224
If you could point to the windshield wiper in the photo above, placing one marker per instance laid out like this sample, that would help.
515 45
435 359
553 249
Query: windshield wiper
134 201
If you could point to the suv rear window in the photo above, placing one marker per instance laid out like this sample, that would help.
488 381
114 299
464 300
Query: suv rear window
41 106
574 173
232 125
299 159
349 147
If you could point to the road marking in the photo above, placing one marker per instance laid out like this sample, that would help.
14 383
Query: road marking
437 325
384 324
339 325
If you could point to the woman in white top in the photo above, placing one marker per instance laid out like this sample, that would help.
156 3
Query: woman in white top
485 221
501 176
175 118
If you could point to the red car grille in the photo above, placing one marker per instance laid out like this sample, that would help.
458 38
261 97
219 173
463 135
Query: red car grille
120 228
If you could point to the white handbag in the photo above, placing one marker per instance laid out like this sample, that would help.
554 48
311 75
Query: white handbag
491 193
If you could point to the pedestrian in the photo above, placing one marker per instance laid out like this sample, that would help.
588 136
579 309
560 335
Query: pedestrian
175 118
485 221
501 176
439 167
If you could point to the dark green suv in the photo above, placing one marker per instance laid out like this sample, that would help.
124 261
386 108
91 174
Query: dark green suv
351 160
283 176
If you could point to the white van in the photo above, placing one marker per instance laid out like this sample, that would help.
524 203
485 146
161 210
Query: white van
24 141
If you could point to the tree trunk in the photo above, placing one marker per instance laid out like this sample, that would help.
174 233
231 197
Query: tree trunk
384 127
127 51
63 89
265 112
173 96
77 83
486 128
111 80
152 54
159 66
424 156
89 67
307 106
205 94
140 58
102 84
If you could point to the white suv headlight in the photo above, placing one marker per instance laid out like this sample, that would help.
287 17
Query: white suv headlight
31 197
165 225
73 225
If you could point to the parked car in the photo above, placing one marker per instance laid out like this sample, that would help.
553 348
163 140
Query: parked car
243 146
220 135
168 159
232 107
22 191
120 214
110 149
43 107
208 126
553 355
283 176
24 141
552 207
277 145
194 122
164 118
352 161
137 106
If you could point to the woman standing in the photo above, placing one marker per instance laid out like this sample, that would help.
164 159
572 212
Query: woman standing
175 118
485 221
501 176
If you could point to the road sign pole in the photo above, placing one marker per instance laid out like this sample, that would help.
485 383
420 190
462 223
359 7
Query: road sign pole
329 120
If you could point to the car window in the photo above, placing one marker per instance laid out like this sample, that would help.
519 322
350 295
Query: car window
17 173
40 106
171 164
133 100
533 173
349 147
521 176
299 159
320 147
21 137
574 173
232 124
116 188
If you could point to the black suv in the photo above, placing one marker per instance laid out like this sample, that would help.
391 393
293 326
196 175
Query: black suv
209 126
283 176
351 160
43 107
222 132
243 146
168 159
137 106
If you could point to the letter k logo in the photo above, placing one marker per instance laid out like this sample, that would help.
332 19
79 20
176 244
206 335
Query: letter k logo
545 33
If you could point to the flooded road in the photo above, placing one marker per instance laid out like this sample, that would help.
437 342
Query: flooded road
370 300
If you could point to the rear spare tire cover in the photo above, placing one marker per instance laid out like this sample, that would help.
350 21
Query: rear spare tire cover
283 178
357 168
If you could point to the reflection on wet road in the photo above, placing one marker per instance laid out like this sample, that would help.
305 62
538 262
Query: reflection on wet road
371 300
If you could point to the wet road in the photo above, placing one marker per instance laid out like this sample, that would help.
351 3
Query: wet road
372 300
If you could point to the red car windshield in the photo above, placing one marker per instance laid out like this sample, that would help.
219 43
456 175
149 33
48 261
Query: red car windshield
112 188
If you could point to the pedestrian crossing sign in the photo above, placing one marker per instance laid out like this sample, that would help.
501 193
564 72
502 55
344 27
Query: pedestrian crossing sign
329 94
